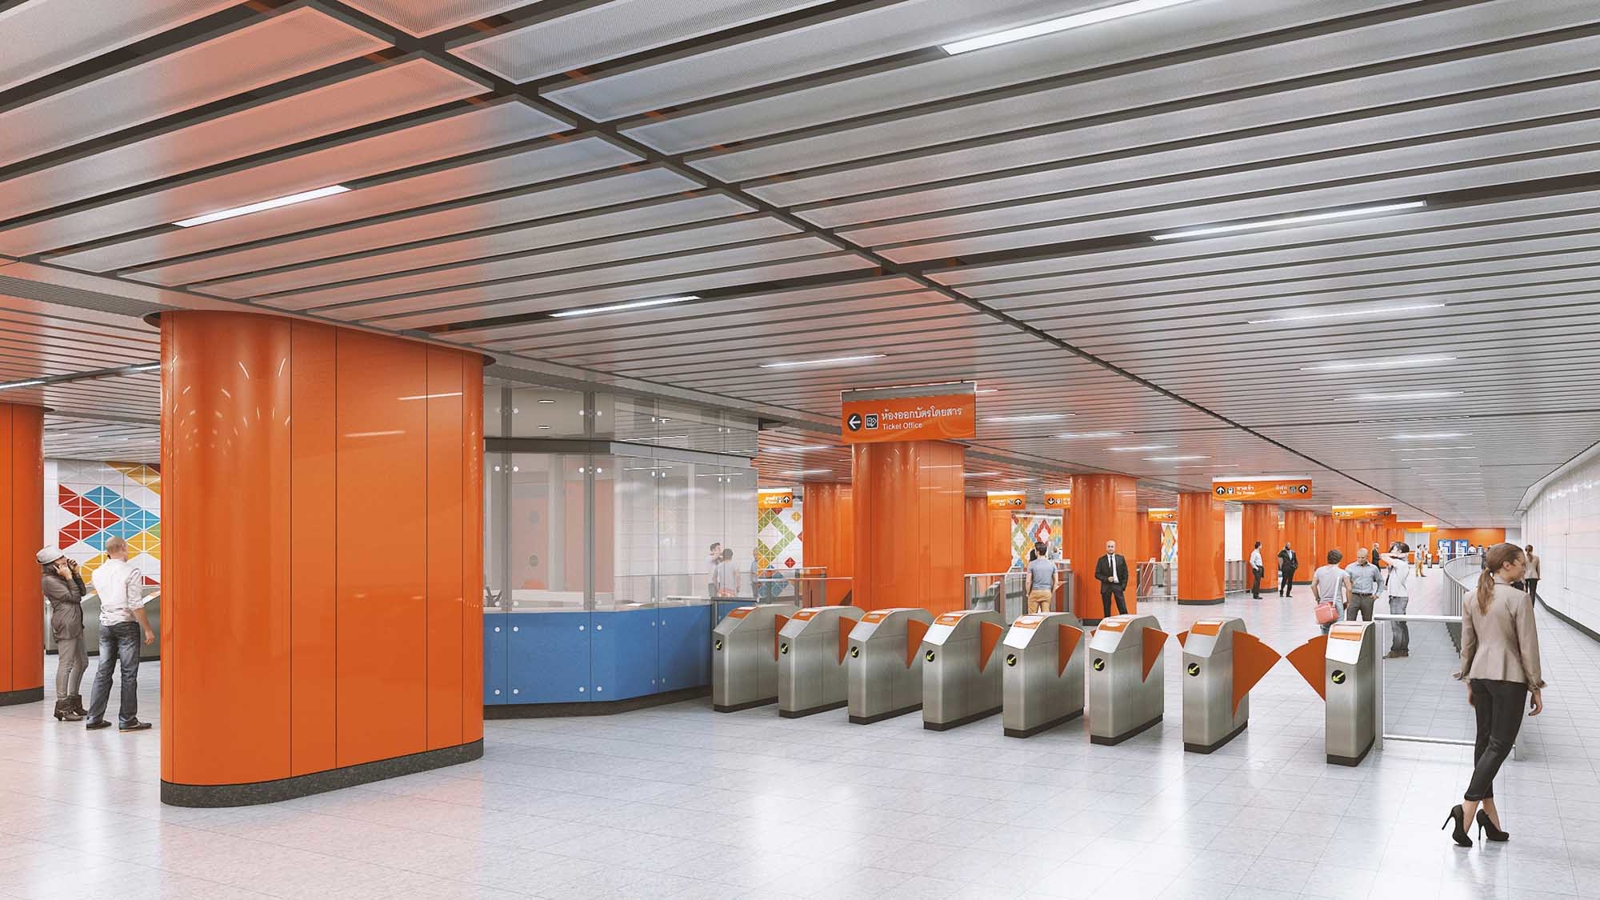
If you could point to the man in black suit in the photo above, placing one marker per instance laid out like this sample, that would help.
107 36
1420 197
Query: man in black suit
1287 563
1112 573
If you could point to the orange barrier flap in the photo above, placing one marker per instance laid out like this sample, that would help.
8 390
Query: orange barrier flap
1251 661
1183 639
1069 638
915 631
1153 641
989 635
777 625
846 625
1309 660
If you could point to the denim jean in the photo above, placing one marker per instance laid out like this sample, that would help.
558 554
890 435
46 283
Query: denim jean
1402 631
118 643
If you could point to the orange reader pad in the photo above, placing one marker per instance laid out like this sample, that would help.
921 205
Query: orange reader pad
1309 659
846 625
989 635
777 625
1153 641
915 631
1183 639
1251 661
1066 644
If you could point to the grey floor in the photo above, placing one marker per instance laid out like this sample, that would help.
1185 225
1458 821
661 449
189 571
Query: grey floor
682 802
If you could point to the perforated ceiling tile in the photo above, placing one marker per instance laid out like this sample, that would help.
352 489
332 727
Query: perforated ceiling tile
243 59
45 36
422 17
347 103
606 31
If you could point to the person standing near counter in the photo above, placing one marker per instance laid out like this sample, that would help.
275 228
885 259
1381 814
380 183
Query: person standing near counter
122 621
63 587
1041 582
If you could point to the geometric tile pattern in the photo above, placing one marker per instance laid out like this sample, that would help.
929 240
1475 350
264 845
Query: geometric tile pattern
88 503
778 541
1026 529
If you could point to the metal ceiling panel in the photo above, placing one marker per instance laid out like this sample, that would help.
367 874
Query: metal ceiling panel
350 102
567 41
45 36
835 41
452 182
423 17
242 59
395 148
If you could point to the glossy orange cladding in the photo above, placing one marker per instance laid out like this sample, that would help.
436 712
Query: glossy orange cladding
987 537
21 536
1298 527
1149 541
908 502
1260 523
322 548
829 527
1104 508
1201 547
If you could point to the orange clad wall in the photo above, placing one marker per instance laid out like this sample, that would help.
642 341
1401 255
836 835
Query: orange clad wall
987 537
1298 527
829 533
1104 508
1202 540
323 493
21 537
1260 523
1149 541
908 504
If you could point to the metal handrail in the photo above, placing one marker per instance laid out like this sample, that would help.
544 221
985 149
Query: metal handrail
1150 575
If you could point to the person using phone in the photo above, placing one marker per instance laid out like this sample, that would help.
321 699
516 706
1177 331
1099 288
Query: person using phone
64 588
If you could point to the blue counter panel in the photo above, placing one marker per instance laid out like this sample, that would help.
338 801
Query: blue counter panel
548 657
685 647
496 634
625 654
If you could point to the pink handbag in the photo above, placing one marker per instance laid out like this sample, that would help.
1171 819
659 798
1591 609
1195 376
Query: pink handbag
1327 613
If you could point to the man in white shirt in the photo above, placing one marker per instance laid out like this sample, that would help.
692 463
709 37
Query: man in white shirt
1112 573
1398 587
122 622
1257 571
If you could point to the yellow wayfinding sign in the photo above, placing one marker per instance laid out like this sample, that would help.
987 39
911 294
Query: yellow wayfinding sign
1163 515
933 412
1261 489
775 498
1007 499
1364 513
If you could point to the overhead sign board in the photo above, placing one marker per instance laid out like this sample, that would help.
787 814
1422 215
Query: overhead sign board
1261 490
933 412
1163 515
1361 513
1059 499
775 498
1007 499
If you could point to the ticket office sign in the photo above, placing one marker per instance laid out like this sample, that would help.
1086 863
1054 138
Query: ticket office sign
1261 490
937 412
775 499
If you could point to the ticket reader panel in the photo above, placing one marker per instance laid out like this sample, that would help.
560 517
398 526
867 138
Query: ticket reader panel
960 676
883 667
744 657
1041 673
1350 686
1124 681
811 660
1222 661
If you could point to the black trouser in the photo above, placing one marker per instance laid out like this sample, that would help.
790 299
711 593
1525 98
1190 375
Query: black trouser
1255 582
1286 582
1498 706
1533 587
1107 591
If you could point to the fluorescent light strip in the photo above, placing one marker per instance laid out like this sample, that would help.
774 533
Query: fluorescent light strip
1089 434
1282 221
1379 364
263 206
810 449
1309 317
1039 417
1212 466
1417 449
807 472
1053 26
979 474
621 307
830 361
1173 458
34 382
1414 395
1432 458
1426 437
1140 447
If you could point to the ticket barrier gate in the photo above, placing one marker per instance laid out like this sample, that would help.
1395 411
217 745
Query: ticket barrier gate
884 667
744 657
960 678
812 648
1043 675
1342 667
1125 698
1222 661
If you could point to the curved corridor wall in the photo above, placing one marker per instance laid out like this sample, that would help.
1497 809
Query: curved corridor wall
1563 525
323 538
21 536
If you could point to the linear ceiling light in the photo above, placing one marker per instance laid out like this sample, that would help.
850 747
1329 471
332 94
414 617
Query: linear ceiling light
1283 221
830 361
1074 436
807 449
1379 364
1038 417
1140 447
979 474
1412 395
620 307
1052 26
1417 449
1436 434
263 206
1173 458
1213 466
808 472
1360 313
32 382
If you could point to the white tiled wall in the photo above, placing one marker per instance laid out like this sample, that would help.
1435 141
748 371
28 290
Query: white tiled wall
1563 525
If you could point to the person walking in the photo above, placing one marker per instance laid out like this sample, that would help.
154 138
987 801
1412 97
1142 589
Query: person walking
725 577
1040 576
1257 571
63 587
1112 573
1288 562
1500 664
1364 580
122 621
1530 578
1397 586
1331 584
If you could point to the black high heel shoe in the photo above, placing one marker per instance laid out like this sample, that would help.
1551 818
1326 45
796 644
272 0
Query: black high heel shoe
1495 834
1458 816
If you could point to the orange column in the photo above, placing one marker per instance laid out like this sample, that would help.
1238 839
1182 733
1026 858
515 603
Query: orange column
910 529
1104 508
986 537
322 606
1260 523
1201 548
1298 527
828 533
1149 541
21 538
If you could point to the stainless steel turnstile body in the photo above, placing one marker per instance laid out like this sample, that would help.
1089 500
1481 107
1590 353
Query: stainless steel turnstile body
1042 673
1125 694
1210 718
811 660
744 661
960 679
883 667
1350 687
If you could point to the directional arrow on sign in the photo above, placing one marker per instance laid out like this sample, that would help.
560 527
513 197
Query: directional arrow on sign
854 422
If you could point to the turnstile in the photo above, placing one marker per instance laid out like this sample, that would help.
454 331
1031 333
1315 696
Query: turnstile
812 649
1042 676
1222 661
1351 690
744 657
884 667
960 680
1124 682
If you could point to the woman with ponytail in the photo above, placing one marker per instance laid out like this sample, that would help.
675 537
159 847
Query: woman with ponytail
1500 663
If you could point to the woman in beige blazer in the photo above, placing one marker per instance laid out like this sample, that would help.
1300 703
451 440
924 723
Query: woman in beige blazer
1500 663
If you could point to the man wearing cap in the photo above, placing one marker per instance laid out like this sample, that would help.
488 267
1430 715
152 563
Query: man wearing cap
122 620
63 587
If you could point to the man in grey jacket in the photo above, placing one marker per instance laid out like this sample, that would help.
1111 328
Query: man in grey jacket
63 587
1364 581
